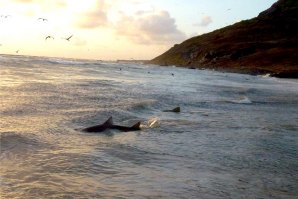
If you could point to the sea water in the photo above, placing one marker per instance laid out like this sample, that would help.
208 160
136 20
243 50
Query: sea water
235 137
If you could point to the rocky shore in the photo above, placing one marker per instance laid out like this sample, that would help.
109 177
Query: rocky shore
265 44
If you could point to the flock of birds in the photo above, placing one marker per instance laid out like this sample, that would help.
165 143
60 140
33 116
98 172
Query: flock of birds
39 19
50 36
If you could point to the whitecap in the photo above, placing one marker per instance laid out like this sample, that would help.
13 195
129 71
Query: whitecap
266 75
242 100
151 123
65 62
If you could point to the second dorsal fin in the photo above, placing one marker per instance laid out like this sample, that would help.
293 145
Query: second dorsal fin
136 126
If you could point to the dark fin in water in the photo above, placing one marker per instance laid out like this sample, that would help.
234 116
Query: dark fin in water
109 122
175 110
102 127
136 126
109 125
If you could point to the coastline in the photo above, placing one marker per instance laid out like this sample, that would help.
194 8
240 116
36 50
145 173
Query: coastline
266 44
282 74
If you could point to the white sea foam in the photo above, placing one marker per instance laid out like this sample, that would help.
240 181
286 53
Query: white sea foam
65 62
242 100
151 123
266 75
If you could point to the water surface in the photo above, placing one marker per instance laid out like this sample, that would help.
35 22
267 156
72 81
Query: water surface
236 136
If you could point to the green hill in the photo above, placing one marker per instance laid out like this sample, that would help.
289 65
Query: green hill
267 43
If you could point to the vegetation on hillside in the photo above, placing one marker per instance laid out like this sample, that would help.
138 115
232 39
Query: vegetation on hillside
265 44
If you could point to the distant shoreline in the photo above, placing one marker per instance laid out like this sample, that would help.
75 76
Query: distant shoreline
134 61
287 74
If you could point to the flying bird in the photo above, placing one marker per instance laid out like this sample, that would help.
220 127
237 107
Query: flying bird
43 19
49 37
5 16
68 38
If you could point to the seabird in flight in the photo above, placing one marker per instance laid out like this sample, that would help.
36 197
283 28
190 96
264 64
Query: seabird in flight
43 19
5 16
68 38
49 37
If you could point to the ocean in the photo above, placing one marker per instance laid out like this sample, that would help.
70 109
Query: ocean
235 137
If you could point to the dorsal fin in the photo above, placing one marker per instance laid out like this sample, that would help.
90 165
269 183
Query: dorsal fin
109 122
176 110
136 126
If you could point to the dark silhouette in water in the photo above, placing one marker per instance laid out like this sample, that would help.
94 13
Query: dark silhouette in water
109 125
175 110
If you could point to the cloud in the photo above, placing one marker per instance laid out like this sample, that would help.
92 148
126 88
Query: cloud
56 2
150 28
79 42
61 3
24 1
44 6
94 18
205 21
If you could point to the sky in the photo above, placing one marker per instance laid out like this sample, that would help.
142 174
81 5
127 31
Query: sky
113 29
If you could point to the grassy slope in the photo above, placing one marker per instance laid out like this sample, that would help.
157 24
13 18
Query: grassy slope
267 43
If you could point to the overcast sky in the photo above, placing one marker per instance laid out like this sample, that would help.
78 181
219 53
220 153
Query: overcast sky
113 29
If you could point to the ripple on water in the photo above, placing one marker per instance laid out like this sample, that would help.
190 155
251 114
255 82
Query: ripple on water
15 144
236 135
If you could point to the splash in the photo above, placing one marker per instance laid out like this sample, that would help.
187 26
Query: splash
151 123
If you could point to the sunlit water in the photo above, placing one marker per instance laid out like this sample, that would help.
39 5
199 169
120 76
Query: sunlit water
236 135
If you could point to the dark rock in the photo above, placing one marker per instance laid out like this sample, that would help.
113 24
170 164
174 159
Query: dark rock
291 74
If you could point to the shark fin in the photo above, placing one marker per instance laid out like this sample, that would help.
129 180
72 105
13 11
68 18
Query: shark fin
136 126
176 110
109 122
